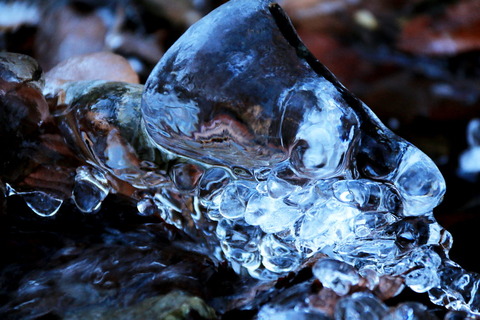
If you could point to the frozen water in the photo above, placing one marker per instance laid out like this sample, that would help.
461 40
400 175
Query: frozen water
42 203
234 200
245 139
360 306
270 214
421 187
291 304
102 123
411 311
336 275
240 242
90 189
277 255
420 269
297 160
317 170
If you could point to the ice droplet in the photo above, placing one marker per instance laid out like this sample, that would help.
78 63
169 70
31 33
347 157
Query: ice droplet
468 162
42 203
90 189
419 182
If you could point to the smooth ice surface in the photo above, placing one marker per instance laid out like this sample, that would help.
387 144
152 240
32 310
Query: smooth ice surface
42 203
311 166
298 165
90 189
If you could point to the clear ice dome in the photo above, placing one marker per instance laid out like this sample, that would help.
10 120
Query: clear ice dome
310 167
294 164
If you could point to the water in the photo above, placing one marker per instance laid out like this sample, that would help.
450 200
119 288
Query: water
246 143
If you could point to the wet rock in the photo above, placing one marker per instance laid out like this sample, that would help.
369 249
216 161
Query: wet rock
37 164
30 143
95 66
18 68
176 305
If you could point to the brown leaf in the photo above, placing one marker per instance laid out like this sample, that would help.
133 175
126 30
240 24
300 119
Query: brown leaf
457 30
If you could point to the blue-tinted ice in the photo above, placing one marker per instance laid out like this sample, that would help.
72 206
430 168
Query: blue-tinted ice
310 168
244 140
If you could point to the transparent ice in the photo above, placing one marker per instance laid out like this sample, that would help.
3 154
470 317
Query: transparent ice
42 203
90 189
410 310
336 275
242 139
310 168
359 306
291 304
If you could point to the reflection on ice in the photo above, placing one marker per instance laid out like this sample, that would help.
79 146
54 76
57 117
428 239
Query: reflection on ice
333 178
311 168
247 143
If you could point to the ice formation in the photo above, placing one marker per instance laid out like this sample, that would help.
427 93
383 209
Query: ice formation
300 165
311 169
243 139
